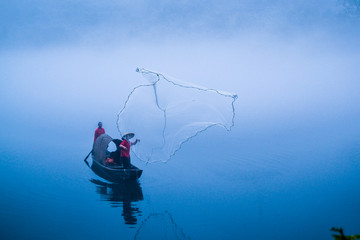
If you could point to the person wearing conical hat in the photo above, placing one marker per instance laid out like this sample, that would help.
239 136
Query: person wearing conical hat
125 149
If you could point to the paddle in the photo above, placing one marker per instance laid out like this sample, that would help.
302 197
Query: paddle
87 158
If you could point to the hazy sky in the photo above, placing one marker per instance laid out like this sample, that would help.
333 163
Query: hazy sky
73 62
41 22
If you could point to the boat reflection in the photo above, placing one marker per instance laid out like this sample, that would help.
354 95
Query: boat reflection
123 195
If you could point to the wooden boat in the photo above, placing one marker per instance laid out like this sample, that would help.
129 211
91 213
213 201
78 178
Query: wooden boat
115 173
110 173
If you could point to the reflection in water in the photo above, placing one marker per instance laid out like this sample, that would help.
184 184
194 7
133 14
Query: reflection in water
121 194
159 226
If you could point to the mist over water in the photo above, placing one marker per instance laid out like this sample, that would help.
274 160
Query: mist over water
288 167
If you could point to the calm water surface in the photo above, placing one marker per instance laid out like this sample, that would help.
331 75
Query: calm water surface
255 182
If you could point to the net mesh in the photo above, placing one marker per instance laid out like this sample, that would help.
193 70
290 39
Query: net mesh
165 113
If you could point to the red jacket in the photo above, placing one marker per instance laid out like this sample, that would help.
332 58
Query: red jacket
125 153
98 132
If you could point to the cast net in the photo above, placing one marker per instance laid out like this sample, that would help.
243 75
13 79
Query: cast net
165 113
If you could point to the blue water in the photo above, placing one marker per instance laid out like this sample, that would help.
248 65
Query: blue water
269 181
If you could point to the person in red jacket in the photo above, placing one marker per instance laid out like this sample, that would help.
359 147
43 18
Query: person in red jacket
99 131
125 149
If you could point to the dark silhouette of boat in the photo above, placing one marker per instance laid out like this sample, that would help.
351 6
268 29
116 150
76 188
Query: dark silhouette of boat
115 173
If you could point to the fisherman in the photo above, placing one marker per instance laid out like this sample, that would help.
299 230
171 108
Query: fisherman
125 149
99 131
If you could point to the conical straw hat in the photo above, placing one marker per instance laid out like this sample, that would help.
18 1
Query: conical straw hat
129 135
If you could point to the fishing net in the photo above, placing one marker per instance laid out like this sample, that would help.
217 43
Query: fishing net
166 113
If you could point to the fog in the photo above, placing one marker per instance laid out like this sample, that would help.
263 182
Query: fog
55 22
279 81
294 66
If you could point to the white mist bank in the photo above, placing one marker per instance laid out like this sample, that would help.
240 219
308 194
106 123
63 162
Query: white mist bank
271 77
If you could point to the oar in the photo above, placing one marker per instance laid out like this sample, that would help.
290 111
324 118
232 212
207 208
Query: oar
87 158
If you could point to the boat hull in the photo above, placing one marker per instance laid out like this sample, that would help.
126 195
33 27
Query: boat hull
115 174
